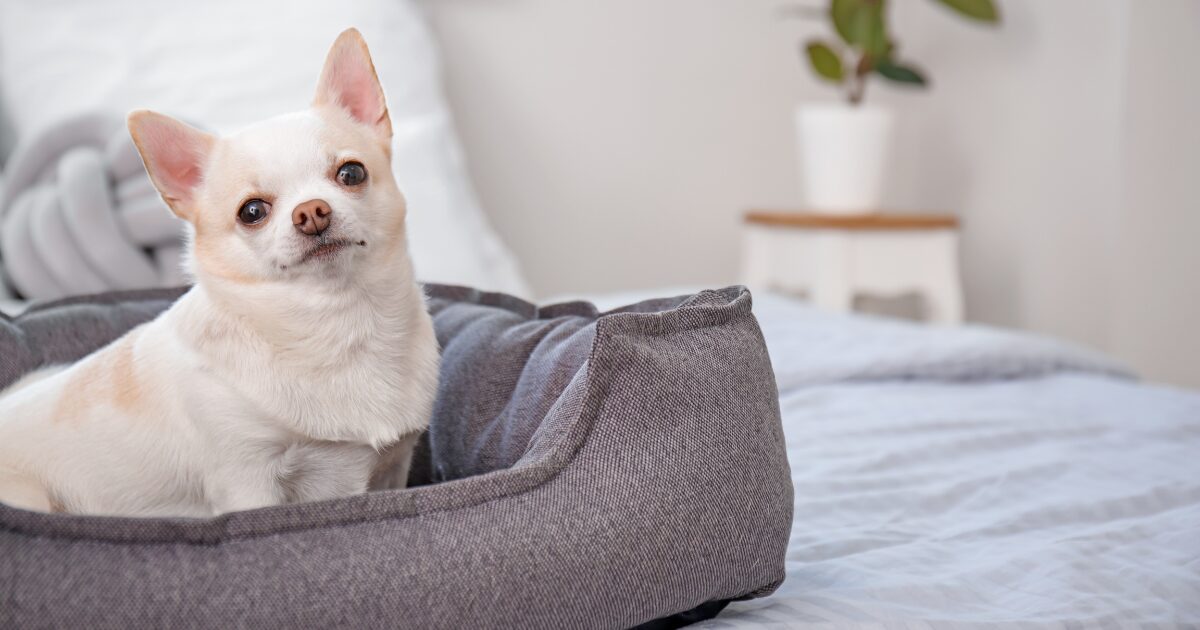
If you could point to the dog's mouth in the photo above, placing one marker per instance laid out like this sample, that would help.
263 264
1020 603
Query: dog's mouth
329 248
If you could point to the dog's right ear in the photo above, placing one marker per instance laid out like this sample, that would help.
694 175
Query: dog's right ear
175 156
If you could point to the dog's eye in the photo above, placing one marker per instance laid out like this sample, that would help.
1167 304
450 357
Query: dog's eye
253 211
352 174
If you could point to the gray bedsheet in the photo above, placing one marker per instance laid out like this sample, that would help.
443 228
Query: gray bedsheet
971 477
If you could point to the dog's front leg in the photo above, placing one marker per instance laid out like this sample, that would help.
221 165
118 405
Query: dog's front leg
324 470
243 489
391 472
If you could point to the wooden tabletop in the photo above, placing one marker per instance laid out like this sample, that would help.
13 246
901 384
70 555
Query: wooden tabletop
867 221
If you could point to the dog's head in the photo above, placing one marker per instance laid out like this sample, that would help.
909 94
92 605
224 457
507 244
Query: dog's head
308 195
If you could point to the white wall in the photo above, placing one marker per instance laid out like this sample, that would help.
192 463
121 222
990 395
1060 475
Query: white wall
1156 322
615 144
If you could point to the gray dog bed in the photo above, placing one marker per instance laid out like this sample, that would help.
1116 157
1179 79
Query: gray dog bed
582 470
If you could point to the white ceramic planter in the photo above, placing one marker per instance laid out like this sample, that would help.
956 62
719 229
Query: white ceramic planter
843 153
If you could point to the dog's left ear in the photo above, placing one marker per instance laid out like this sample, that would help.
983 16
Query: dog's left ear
349 82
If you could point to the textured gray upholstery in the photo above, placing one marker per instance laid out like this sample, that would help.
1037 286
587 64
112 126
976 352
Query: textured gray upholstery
581 471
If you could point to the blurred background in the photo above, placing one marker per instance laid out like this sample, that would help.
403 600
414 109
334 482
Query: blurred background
600 146
617 144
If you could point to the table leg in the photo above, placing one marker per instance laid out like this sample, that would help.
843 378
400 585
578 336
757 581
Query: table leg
833 286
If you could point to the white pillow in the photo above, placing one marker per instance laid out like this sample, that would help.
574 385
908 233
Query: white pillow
227 63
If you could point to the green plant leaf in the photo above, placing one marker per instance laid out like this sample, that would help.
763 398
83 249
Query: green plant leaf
982 10
825 61
900 73
861 24
871 29
842 12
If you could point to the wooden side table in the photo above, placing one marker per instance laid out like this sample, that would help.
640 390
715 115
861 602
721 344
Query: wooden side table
837 257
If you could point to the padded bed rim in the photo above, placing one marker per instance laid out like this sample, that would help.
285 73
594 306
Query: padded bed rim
527 475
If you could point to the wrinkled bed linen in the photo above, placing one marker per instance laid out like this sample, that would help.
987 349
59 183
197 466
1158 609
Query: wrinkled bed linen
1068 498
972 478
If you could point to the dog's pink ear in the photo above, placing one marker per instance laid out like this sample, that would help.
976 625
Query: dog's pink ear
349 82
175 156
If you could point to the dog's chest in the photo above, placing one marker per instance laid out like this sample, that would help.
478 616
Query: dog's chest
350 385
362 370
355 392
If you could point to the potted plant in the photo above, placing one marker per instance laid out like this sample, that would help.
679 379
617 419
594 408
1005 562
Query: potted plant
843 146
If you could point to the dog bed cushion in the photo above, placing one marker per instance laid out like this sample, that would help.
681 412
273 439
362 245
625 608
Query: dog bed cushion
582 470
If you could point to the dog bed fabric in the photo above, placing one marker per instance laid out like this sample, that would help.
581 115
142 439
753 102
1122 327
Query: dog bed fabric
582 470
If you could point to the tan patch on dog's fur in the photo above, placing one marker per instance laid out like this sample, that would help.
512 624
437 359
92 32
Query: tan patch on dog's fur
74 401
209 259
109 376
127 394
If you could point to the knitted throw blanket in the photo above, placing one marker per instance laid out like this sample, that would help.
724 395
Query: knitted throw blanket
78 214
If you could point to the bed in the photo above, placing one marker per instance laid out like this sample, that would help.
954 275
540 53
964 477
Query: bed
972 478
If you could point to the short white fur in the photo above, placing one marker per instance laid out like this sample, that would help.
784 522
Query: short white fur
277 378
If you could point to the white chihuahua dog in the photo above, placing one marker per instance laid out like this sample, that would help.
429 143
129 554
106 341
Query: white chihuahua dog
301 366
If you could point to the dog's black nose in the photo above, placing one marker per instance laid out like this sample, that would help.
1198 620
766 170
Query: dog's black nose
312 217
